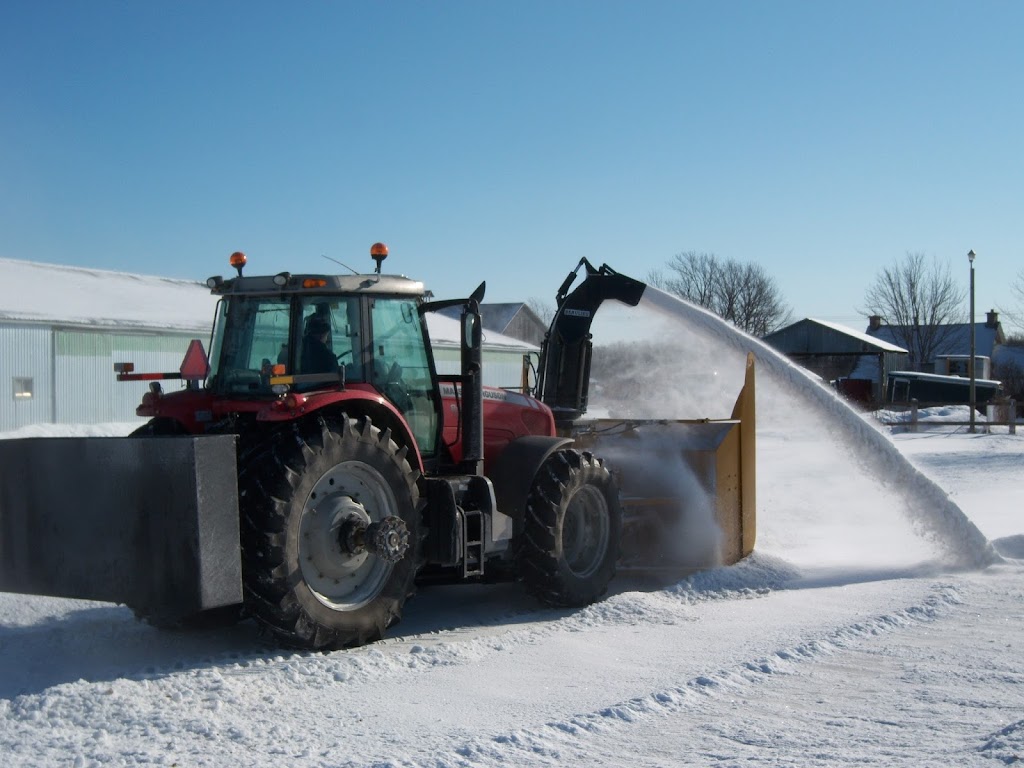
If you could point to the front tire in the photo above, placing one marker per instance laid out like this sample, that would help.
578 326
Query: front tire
571 530
297 495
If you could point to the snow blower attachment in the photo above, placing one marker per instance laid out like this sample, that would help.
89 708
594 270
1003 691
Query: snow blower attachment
564 373
316 468
688 487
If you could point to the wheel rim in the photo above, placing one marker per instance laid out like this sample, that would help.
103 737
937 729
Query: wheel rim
338 578
585 531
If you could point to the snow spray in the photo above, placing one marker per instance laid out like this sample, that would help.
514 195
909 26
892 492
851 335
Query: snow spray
682 531
932 515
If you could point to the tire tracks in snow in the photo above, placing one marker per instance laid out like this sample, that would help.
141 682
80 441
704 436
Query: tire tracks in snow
146 707
557 742
755 577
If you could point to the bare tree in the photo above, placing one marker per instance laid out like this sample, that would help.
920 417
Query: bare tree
1016 315
919 301
758 306
545 310
743 294
656 279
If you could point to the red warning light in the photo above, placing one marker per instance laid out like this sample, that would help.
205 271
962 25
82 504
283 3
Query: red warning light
196 364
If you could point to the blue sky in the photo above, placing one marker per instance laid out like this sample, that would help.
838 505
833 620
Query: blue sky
503 141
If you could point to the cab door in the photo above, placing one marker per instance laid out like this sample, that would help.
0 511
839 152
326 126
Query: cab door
402 367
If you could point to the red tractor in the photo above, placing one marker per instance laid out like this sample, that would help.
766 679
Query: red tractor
360 470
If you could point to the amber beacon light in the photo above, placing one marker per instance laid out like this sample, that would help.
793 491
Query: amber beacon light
379 252
238 261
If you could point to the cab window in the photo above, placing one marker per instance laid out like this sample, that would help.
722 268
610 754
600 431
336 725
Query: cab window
330 337
401 366
249 338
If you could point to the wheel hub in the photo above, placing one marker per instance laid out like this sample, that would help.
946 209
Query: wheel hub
322 531
346 546
585 531
388 539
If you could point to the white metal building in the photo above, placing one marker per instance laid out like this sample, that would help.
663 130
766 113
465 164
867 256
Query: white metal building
63 328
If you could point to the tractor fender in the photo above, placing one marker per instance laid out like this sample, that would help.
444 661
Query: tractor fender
516 468
353 403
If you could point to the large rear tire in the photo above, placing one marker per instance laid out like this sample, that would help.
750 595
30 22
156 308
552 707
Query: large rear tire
571 530
303 578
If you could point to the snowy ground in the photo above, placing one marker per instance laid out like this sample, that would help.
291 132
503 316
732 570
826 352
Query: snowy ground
874 625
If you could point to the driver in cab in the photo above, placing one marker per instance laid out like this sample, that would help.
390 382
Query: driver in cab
317 356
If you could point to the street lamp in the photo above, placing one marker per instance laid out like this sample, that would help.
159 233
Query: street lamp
970 363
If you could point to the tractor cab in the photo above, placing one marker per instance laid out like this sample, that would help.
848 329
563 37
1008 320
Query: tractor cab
292 338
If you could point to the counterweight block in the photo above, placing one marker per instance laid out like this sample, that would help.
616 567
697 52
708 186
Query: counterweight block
152 523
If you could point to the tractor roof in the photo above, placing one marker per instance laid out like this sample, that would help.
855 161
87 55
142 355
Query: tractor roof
286 283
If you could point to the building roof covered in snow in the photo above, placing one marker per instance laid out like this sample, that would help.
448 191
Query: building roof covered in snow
447 331
819 337
509 319
54 294
51 294
871 342
955 338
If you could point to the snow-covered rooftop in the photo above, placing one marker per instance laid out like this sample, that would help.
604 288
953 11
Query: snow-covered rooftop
51 293
872 341
955 339
446 331
56 294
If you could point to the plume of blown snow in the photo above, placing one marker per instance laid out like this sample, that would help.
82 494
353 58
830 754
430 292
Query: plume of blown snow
861 481
650 463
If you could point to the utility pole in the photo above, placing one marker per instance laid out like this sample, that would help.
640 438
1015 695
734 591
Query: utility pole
970 363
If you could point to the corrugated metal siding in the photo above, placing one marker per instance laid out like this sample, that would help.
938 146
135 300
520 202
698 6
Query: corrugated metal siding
501 368
151 355
72 371
25 351
84 372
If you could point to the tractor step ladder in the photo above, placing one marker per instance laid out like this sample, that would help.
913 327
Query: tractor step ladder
472 542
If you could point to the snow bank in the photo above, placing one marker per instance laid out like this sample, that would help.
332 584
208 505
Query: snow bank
107 429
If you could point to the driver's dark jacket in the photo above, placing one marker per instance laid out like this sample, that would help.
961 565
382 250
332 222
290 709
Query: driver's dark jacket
317 357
